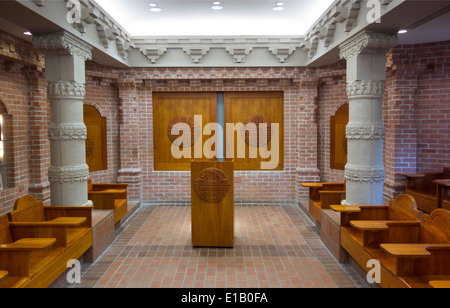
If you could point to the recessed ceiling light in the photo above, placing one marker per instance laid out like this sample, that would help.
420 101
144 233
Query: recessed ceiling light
27 33
278 6
216 5
402 31
155 8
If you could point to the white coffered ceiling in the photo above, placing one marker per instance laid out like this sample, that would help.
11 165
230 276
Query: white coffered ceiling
195 17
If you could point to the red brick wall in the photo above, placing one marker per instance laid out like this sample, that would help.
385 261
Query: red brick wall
23 98
415 112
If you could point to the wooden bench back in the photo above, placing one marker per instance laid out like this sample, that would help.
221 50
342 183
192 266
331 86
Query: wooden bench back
403 207
27 208
435 228
446 172
5 233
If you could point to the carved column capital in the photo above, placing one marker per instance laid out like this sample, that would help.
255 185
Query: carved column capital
367 42
61 43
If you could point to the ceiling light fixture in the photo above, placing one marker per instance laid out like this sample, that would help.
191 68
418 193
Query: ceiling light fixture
155 8
27 33
402 31
217 5
278 6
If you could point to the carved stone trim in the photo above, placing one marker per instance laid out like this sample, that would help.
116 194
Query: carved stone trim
367 42
364 131
364 174
63 175
67 132
358 89
63 43
66 90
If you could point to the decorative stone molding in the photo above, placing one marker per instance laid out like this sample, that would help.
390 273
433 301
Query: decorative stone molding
63 175
364 174
63 43
66 90
363 88
242 49
60 132
196 54
365 131
239 53
367 42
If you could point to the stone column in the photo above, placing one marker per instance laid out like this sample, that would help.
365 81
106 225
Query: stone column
366 74
65 57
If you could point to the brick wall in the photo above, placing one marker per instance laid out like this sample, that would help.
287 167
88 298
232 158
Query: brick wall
23 98
415 111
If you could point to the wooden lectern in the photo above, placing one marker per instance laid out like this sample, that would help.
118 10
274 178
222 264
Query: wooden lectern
212 202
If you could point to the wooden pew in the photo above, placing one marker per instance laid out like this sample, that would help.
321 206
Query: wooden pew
365 227
71 226
322 196
109 197
22 259
443 193
440 284
68 224
422 252
422 187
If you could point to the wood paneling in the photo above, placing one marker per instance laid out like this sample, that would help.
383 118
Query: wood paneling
168 106
242 106
96 150
338 141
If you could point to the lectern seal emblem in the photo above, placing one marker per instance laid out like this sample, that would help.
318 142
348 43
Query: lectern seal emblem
212 185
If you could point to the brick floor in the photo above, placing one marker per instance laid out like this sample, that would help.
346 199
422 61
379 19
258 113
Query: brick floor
276 246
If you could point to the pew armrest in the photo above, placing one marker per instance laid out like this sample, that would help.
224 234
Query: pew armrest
28 244
413 250
57 222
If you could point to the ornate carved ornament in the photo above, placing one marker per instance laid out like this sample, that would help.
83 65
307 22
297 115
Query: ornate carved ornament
63 43
364 174
361 89
212 185
365 131
63 175
67 132
367 42
66 90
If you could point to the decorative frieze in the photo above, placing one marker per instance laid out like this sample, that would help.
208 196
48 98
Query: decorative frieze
72 174
365 88
365 131
61 132
66 90
365 174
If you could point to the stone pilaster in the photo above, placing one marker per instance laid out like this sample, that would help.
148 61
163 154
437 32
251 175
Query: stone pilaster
366 74
65 57
130 171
